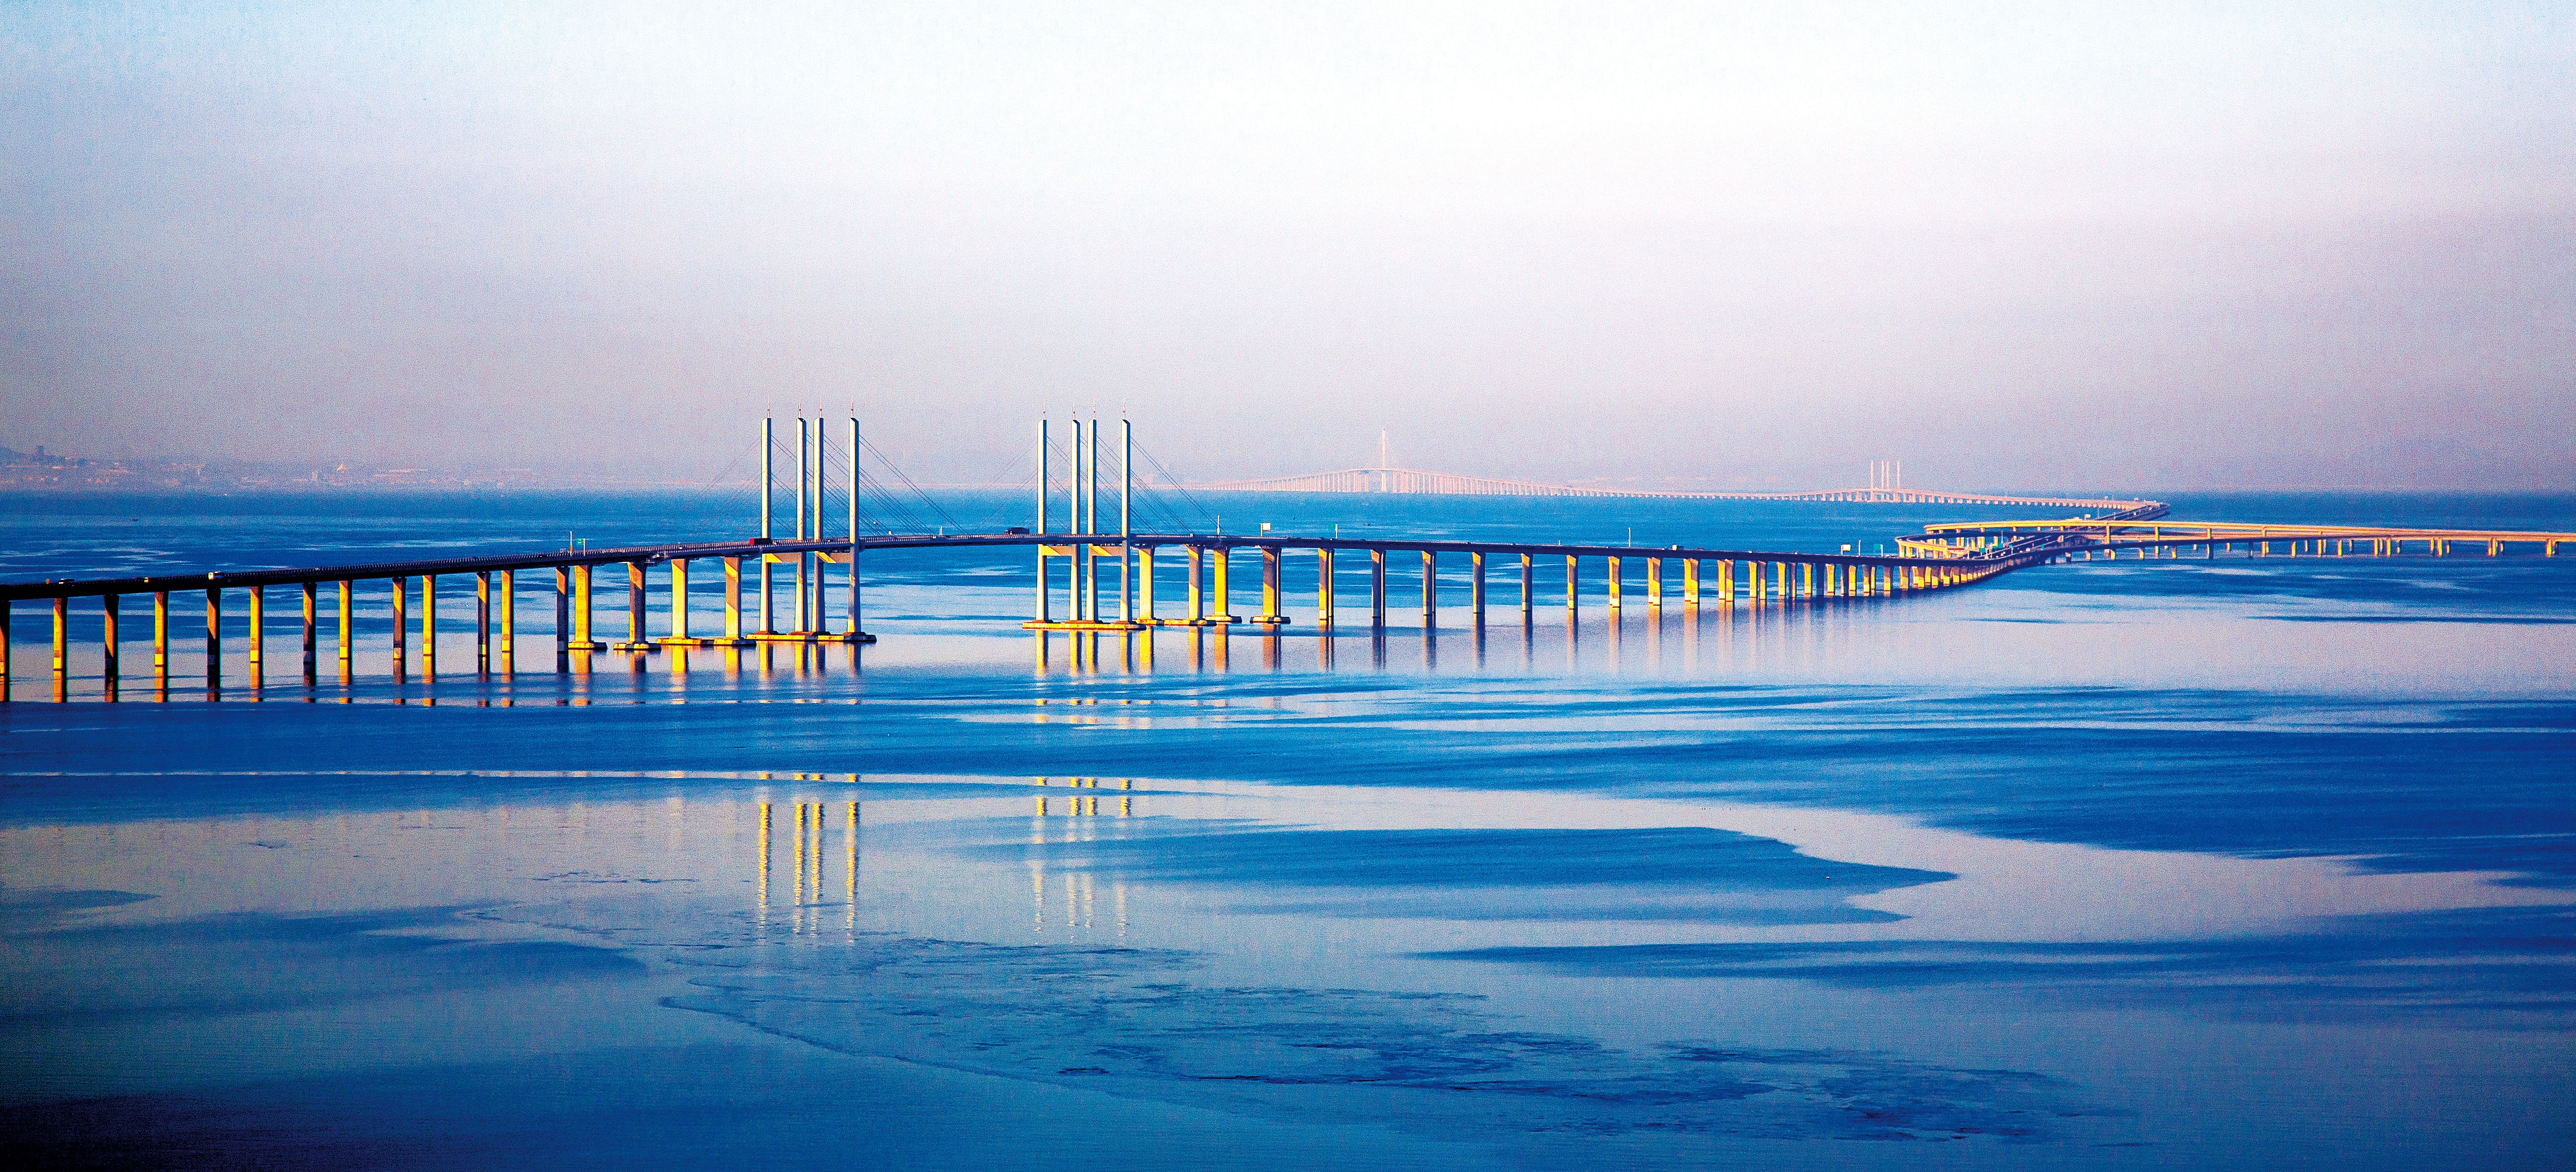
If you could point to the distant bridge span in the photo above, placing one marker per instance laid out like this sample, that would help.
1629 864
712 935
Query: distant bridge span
1415 481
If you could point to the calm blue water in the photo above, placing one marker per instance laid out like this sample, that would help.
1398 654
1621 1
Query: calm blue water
2245 862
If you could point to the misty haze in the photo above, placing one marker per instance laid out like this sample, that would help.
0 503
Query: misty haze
1447 586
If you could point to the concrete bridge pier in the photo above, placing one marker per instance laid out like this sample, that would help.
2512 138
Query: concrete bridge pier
398 649
1377 598
1476 587
214 642
1324 595
112 671
1198 600
346 587
428 626
1430 591
258 627
1529 593
1221 590
635 641
310 647
1614 586
1270 616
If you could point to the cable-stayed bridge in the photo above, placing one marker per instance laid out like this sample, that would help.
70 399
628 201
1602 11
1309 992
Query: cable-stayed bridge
1098 557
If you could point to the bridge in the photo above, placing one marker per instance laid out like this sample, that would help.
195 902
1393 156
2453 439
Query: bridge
1418 482
2258 537
1091 556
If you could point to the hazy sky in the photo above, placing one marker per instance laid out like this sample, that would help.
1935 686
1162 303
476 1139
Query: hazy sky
2133 245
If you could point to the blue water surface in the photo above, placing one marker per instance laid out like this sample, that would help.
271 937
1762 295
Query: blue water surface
2209 862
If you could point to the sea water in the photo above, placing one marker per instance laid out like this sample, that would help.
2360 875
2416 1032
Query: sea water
2215 862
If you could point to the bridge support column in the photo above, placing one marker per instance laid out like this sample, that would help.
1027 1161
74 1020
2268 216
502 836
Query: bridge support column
1614 585
428 625
850 607
1377 589
5 608
1198 600
62 645
1220 589
113 669
1690 583
1269 587
346 588
402 624
1573 589
483 622
1654 583
1807 579
1726 581
1145 585
509 600
1476 586
309 643
635 607
258 628
161 636
679 635
1529 593
1324 589
733 600
1430 591
582 636
214 641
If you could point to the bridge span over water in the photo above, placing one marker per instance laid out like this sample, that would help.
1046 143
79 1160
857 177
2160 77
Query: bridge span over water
1090 557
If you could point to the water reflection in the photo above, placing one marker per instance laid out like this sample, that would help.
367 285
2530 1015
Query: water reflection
1334 952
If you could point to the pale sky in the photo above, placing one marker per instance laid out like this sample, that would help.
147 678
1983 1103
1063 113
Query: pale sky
2015 246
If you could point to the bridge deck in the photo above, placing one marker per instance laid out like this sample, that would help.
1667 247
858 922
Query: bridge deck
1104 544
2155 530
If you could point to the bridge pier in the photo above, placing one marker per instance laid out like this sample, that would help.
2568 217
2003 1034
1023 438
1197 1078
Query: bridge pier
1270 616
1377 591
1690 583
428 626
346 587
310 646
583 638
112 670
214 642
1476 586
62 646
1614 585
1654 584
482 622
1430 591
1145 587
1529 594
1324 592
679 636
635 605
258 628
1221 590
1573 591
1198 600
